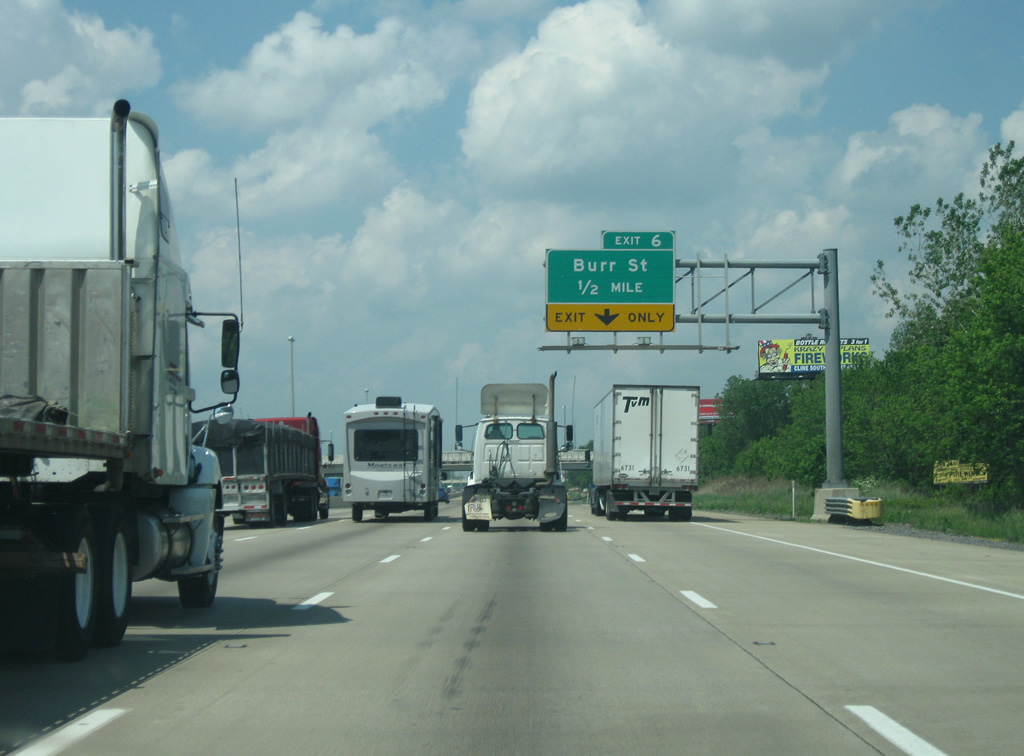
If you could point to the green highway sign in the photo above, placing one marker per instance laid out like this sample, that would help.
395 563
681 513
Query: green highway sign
611 276
638 240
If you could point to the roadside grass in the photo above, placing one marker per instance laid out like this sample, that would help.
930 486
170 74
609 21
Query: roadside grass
955 512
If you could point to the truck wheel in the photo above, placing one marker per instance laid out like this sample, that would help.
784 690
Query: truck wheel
199 592
562 523
114 576
686 514
325 510
429 512
468 526
278 511
610 512
76 618
357 513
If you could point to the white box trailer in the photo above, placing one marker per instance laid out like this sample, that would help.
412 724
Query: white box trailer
645 451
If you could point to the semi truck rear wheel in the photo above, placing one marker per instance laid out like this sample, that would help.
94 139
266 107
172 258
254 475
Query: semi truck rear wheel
357 513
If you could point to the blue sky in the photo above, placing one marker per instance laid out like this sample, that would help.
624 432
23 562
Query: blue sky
402 166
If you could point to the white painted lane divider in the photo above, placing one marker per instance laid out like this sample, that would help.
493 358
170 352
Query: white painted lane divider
637 558
313 600
699 600
71 733
894 732
447 527
247 538
391 558
606 538
428 538
893 567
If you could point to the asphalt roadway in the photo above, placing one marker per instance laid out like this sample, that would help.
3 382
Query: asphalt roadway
723 635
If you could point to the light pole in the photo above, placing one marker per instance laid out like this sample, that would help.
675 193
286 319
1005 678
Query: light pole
291 363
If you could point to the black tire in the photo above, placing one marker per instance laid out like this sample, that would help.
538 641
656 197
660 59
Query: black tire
76 614
429 512
325 510
357 513
562 523
610 512
686 514
114 580
278 511
199 592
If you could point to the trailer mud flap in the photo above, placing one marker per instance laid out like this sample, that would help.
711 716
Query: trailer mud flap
551 507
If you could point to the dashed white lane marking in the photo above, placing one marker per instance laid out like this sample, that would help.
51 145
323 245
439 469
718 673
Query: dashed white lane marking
391 558
313 600
699 600
428 538
606 538
894 732
637 558
70 733
869 561
247 538
447 527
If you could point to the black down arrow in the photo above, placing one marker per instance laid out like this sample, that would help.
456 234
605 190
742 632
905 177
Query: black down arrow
607 318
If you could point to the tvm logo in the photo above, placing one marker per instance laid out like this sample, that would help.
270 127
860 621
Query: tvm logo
636 401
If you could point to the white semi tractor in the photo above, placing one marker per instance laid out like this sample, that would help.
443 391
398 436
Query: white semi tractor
392 458
102 485
645 451
515 459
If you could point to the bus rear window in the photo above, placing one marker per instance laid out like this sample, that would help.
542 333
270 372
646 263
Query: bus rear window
372 445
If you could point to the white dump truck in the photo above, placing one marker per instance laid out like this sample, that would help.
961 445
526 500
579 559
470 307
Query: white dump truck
102 485
515 459
645 451
392 458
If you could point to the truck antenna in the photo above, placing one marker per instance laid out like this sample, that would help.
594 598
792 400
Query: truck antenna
238 233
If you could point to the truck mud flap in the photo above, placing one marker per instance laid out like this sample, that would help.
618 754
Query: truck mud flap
478 508
552 506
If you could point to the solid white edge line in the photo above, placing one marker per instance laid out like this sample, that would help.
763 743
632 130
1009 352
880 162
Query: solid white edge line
869 561
699 600
70 733
894 732
637 558
313 600
391 558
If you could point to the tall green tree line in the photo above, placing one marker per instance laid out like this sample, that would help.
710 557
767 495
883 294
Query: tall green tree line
950 386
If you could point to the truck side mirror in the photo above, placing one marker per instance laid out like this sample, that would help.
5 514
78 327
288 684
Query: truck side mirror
330 451
458 434
229 381
229 344
568 434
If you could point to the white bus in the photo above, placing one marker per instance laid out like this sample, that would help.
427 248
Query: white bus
392 458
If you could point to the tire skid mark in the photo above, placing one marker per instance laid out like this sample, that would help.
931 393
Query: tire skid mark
453 683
